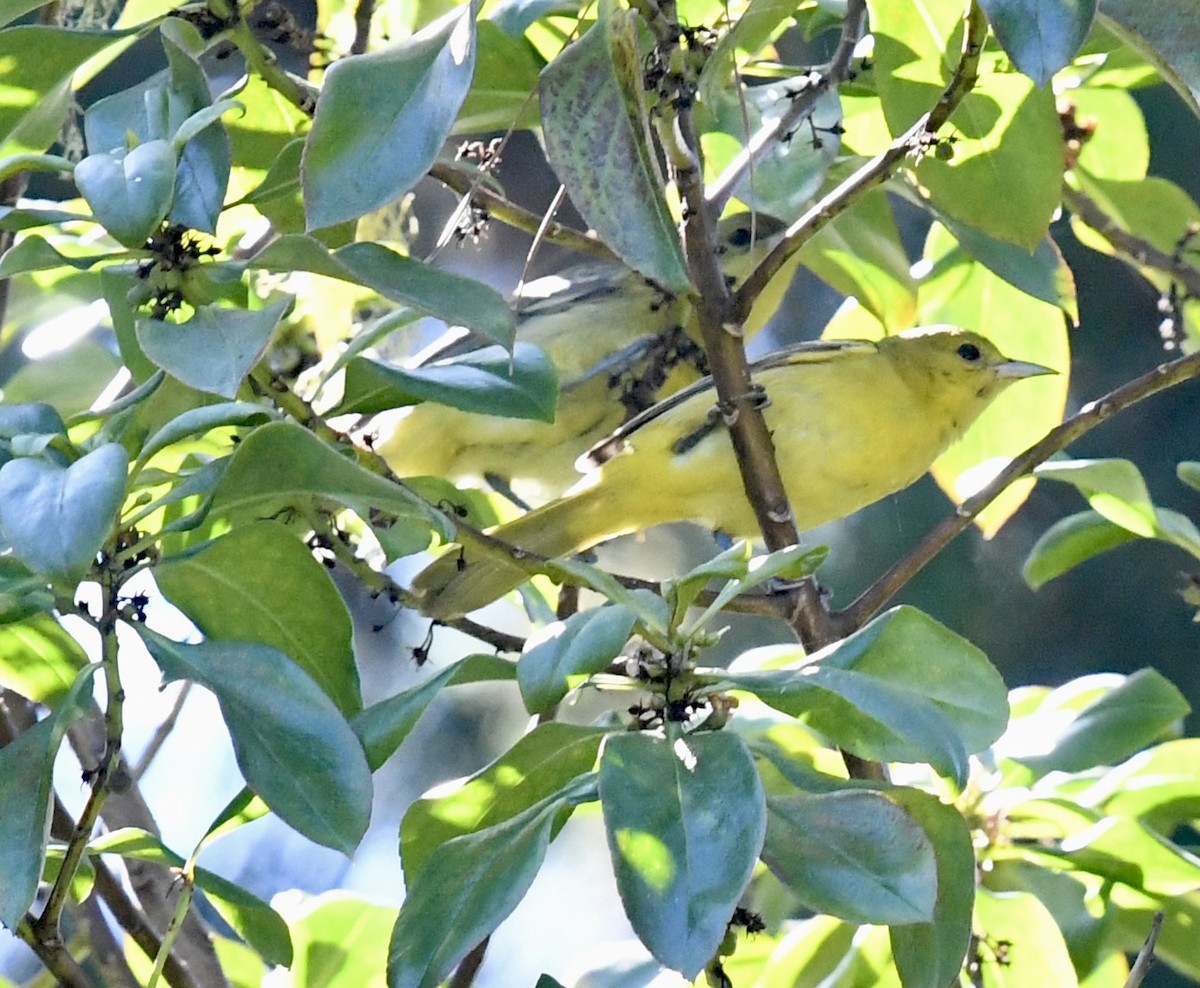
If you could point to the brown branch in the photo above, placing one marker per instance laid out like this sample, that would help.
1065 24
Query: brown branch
1136 249
875 597
875 171
54 957
1145 958
364 10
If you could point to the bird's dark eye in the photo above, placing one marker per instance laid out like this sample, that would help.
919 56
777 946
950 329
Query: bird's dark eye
740 237
969 351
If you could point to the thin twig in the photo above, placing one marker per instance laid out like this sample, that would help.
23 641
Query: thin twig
1136 249
163 731
876 596
820 81
1145 958
364 10
875 171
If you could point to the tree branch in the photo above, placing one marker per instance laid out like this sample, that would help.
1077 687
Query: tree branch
1136 249
875 171
1145 958
875 597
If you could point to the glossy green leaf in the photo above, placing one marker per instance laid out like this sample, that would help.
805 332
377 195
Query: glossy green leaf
1009 919
130 193
36 66
1165 32
383 726
215 349
38 658
26 775
916 48
1041 36
930 955
1069 542
585 643
364 152
685 821
57 518
854 855
457 300
540 765
1120 722
597 141
250 917
244 587
491 381
281 466
470 885
292 745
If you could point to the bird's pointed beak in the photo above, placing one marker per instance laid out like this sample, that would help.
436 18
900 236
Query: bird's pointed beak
1022 368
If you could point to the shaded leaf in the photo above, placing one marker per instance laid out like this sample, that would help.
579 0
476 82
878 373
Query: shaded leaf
294 749
244 587
57 518
591 98
1069 542
38 658
685 820
585 643
130 193
1166 33
363 151
1041 36
491 381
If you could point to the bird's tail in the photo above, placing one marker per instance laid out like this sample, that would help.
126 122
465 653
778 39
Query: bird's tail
475 573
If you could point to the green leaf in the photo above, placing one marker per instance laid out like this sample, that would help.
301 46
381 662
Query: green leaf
930 955
38 658
1122 721
1131 912
26 776
854 855
130 193
294 749
36 66
506 72
1167 34
1119 147
56 519
585 643
1125 850
591 98
382 727
363 151
1040 36
1115 489
469 886
1069 542
457 300
491 381
198 421
251 918
244 586
1160 786
539 766
860 254
282 466
685 821
1189 473
340 942
215 349
1036 954
34 253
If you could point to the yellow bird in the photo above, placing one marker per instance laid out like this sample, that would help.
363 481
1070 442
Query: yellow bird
619 344
852 422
